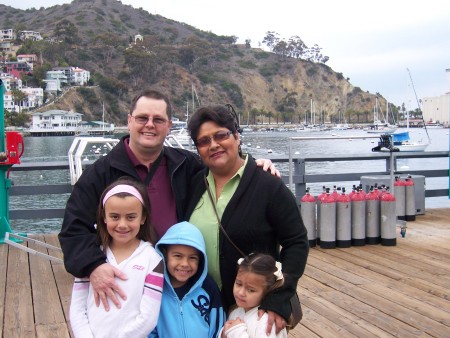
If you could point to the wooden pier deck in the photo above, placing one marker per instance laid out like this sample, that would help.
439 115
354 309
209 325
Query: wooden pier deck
369 291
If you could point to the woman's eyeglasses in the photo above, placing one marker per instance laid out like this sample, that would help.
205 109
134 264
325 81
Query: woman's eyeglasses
144 120
217 137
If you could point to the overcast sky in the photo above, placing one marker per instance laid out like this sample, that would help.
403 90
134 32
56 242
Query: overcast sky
371 43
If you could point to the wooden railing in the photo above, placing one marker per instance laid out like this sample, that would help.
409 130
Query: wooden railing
300 177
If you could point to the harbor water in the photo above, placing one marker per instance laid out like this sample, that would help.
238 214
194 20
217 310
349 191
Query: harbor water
259 144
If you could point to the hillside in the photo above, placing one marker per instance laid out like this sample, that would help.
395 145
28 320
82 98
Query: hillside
98 35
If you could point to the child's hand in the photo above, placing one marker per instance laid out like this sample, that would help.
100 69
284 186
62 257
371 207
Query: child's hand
230 323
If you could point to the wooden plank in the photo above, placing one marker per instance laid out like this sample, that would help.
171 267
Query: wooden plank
19 314
390 263
369 291
410 289
366 308
440 315
418 322
302 332
414 281
45 292
64 280
322 326
3 268
412 267
353 324
52 331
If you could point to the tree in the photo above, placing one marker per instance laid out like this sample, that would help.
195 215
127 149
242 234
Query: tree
271 39
314 54
194 49
67 31
108 44
289 103
296 47
39 73
247 43
281 48
18 97
269 115
142 65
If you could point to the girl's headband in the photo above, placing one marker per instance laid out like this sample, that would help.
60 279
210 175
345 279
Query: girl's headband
123 188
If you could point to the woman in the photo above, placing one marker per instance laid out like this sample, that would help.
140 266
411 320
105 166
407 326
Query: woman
257 211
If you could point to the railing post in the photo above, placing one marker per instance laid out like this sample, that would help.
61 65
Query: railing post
290 164
299 171
5 183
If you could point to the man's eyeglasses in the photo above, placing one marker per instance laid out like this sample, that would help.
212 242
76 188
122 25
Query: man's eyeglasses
217 137
159 121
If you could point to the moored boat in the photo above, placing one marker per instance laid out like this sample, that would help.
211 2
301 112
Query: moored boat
402 142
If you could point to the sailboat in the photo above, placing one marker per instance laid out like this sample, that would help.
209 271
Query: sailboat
179 133
378 126
402 141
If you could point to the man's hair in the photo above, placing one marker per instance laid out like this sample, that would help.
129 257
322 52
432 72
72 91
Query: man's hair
152 94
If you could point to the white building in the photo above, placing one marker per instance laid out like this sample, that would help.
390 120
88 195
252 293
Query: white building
436 109
57 122
81 77
60 122
30 35
10 81
54 79
30 59
34 97
7 34
71 75
8 103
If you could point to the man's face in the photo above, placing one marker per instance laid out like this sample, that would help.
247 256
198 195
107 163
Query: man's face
148 125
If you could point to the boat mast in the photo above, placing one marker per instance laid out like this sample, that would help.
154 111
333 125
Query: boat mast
103 118
418 104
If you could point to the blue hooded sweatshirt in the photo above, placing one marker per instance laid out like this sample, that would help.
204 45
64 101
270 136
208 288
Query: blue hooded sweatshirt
199 313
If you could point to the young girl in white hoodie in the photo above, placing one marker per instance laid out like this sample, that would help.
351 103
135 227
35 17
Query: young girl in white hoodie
126 237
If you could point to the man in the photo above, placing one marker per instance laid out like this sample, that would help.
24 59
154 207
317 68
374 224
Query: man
166 172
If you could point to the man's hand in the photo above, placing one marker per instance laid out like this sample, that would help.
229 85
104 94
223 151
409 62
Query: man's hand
267 165
103 282
273 318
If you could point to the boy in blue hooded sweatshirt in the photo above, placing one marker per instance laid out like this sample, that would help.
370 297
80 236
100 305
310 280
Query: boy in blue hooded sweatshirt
191 305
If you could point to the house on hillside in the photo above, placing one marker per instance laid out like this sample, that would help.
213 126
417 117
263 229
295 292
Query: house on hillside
54 80
30 35
9 47
10 81
81 77
7 34
16 68
30 59
75 76
34 98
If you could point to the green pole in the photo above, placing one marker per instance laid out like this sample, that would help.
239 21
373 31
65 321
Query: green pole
5 183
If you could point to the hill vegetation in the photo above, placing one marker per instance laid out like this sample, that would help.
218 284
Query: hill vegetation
100 36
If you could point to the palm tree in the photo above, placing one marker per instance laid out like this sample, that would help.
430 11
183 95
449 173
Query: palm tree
18 97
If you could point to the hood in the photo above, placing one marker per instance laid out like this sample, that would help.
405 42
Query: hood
184 233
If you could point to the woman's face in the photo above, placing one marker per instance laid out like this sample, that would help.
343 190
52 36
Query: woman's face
221 155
